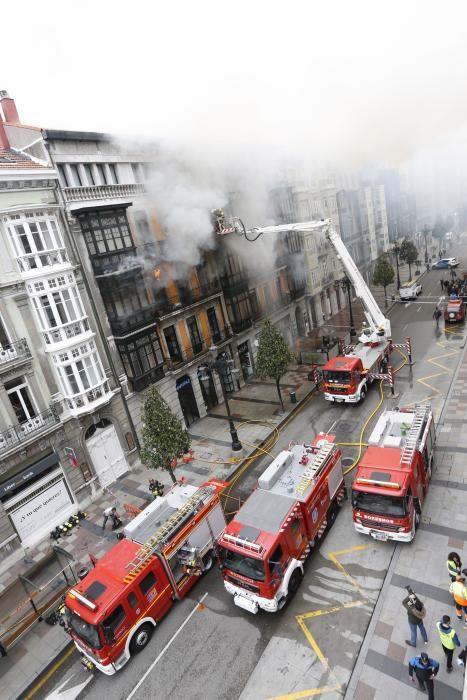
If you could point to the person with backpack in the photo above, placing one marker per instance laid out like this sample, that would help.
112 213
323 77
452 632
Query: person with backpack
425 670
415 614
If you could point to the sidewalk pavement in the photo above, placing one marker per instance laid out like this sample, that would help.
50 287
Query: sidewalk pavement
256 410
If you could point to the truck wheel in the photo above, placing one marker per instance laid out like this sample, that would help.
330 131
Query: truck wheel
362 394
417 519
332 514
294 583
140 638
208 561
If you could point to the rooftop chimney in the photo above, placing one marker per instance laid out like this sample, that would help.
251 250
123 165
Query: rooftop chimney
10 112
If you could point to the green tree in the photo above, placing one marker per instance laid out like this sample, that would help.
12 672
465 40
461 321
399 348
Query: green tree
408 253
383 274
164 437
273 356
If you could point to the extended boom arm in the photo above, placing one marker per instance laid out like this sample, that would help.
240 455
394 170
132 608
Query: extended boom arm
378 325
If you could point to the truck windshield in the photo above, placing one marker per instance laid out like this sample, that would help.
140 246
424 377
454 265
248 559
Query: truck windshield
87 632
333 377
243 564
379 504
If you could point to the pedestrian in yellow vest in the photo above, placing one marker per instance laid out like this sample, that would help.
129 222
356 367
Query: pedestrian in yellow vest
454 565
459 593
449 639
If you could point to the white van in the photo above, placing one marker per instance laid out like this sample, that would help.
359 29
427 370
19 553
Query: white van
410 290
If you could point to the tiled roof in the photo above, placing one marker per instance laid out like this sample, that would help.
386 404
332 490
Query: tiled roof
11 159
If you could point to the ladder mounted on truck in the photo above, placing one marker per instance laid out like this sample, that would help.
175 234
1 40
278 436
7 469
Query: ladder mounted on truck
413 438
315 466
146 551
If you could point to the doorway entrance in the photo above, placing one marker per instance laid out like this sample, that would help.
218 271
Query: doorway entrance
186 396
106 452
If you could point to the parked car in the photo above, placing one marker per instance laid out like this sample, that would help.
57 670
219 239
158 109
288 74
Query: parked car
445 263
410 290
454 311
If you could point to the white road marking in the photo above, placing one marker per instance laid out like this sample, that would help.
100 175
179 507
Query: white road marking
419 309
328 431
70 693
405 326
429 294
159 657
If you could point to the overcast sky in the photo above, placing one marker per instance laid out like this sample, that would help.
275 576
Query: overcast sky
352 80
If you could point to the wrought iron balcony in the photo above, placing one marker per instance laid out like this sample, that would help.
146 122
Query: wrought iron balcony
80 194
23 431
235 284
242 325
187 296
14 352
297 292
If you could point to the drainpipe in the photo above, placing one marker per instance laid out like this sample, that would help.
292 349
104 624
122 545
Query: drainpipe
100 328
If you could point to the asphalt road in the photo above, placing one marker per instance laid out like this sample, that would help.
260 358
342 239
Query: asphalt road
222 652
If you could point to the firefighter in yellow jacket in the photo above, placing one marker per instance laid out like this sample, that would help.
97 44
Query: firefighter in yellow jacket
458 590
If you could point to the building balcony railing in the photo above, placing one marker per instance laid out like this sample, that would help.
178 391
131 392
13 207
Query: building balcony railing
23 431
37 261
136 319
297 292
235 284
327 279
66 332
191 352
101 393
144 380
14 352
186 296
80 194
242 325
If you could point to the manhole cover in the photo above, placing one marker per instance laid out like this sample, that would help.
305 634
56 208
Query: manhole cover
347 461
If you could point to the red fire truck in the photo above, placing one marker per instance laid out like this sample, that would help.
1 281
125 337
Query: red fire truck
263 548
111 614
393 475
345 378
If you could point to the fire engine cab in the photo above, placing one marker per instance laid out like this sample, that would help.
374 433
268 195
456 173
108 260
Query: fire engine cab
263 548
393 475
111 614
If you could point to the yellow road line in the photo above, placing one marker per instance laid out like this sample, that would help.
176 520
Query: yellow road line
336 608
307 693
49 673
337 686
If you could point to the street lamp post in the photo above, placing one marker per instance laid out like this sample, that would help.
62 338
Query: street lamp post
346 284
221 365
397 249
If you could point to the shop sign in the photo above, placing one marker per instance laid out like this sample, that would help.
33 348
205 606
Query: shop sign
43 508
